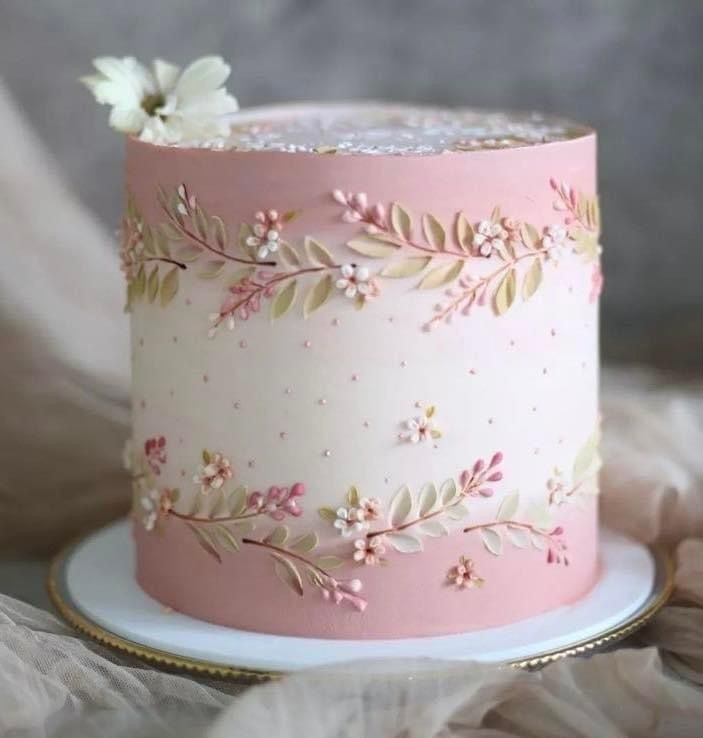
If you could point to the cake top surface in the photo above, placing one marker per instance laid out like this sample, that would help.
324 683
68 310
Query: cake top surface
376 128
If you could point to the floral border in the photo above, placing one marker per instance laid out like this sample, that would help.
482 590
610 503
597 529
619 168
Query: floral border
510 256
222 521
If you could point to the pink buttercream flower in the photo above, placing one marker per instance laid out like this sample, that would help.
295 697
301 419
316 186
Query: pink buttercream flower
370 508
266 234
369 550
556 487
463 575
556 550
596 282
277 502
339 590
155 453
216 470
153 504
131 247
473 482
358 210
512 231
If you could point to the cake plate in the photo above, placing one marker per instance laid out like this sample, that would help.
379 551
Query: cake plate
92 585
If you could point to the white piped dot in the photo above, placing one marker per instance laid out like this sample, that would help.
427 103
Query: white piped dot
283 435
307 344
335 322
288 390
327 453
403 364
355 377
243 344
322 401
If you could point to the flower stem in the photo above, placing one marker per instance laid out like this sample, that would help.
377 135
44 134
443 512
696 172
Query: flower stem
198 519
289 554
471 484
204 244
166 260
514 523
273 281
483 283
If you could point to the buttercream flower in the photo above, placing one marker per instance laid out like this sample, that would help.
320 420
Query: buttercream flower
339 590
356 281
266 234
421 428
489 237
556 488
554 240
154 503
596 282
370 508
164 104
131 247
155 453
277 502
213 473
369 550
512 229
464 575
349 520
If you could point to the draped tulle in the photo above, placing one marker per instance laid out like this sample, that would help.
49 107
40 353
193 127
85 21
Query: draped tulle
64 379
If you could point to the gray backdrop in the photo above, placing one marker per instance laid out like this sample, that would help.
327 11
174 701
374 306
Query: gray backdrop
632 68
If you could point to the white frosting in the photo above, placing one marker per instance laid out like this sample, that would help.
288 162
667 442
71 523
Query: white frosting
368 128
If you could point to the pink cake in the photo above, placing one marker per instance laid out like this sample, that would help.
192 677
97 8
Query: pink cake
365 369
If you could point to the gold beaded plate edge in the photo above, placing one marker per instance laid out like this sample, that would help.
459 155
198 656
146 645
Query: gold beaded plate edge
69 611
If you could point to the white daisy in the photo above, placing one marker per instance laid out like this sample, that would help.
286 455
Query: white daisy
164 104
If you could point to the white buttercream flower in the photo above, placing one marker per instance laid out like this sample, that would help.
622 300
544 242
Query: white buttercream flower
211 475
150 508
355 281
164 104
418 429
349 520
554 240
489 237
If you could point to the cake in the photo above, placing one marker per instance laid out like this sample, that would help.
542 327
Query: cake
365 369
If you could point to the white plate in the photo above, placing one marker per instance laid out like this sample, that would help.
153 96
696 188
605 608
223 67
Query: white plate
98 578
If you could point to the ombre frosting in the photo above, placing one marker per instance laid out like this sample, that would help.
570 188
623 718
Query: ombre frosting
365 369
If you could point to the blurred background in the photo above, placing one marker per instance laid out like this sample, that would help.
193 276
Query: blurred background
631 68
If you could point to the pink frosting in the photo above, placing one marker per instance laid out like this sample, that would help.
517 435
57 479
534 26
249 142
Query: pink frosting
410 596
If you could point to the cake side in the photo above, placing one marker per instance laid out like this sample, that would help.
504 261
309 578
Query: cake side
402 420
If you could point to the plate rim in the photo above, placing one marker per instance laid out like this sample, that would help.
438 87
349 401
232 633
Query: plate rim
61 600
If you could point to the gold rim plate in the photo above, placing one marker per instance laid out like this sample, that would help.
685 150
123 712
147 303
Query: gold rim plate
69 611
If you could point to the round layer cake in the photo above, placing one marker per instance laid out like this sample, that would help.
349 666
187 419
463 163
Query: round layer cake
365 369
